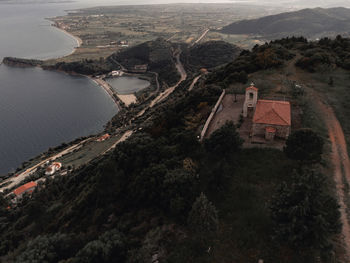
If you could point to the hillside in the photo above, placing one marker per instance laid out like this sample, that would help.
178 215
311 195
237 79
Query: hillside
309 23
158 55
209 55
162 195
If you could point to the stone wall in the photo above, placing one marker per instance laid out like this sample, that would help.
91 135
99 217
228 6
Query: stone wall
212 114
281 131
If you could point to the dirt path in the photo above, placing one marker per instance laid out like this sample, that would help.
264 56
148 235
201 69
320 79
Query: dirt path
341 163
124 137
339 155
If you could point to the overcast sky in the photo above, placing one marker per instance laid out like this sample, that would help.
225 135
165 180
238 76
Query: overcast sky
305 3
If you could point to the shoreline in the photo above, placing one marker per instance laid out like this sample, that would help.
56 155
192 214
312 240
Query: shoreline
78 40
127 99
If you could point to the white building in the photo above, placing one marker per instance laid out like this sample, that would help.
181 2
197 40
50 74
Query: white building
54 167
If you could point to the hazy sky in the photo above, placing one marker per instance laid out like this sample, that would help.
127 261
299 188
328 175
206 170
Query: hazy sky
302 3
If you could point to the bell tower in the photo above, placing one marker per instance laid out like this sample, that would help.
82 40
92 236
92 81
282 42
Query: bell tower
251 97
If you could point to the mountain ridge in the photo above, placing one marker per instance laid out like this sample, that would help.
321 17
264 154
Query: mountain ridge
307 22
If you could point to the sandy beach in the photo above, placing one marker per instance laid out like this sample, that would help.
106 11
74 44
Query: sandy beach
77 39
127 99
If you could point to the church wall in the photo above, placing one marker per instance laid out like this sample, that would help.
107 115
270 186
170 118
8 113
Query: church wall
281 131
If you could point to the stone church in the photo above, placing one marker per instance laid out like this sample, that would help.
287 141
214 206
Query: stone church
271 118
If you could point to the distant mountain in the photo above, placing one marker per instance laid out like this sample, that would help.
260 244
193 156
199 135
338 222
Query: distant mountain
316 22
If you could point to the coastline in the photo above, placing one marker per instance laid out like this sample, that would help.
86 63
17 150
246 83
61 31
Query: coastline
78 40
127 99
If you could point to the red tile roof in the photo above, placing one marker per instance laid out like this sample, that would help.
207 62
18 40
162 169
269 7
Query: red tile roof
104 137
20 190
252 88
272 112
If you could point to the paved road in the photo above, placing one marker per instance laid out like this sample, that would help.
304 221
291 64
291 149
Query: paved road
201 37
18 179
194 82
124 137
170 90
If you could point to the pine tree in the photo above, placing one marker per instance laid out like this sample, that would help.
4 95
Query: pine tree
203 218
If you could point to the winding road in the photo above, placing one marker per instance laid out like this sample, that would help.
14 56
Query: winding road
163 95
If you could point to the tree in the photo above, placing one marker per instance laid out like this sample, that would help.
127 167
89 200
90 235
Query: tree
304 214
48 248
178 191
304 145
203 218
236 89
331 81
109 247
3 202
224 141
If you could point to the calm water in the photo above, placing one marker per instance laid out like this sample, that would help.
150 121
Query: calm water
40 109
127 85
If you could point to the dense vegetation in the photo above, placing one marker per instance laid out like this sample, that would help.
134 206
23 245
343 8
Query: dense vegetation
272 55
11 61
163 195
209 55
157 55
326 53
306 22
85 67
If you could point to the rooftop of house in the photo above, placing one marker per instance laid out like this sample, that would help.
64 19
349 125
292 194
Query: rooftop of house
273 112
57 165
24 188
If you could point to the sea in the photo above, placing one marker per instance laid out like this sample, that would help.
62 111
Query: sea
41 109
